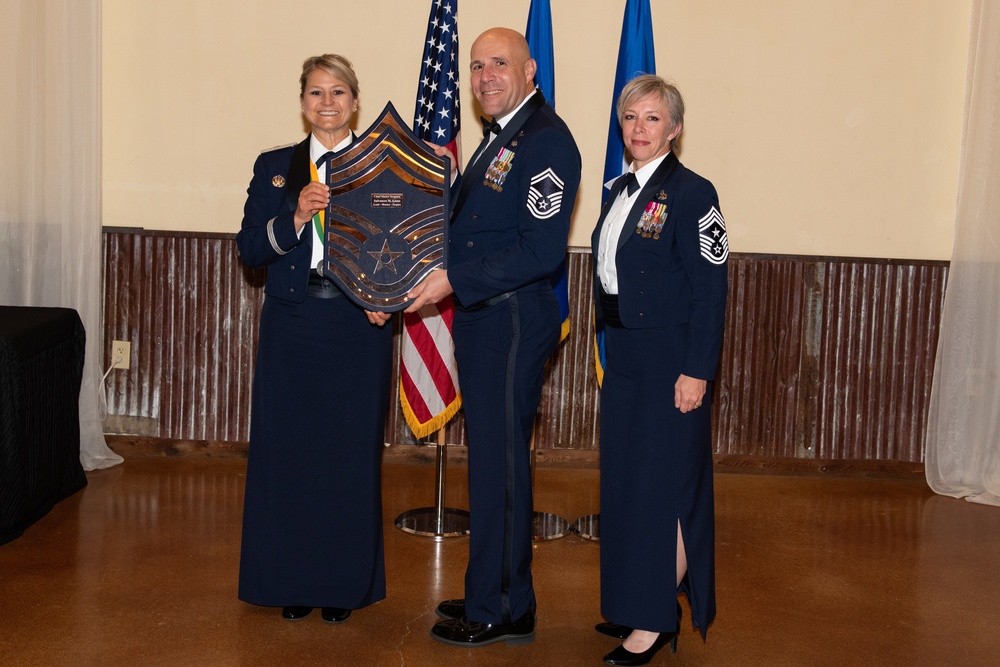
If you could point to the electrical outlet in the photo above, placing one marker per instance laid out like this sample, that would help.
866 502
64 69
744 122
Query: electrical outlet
121 354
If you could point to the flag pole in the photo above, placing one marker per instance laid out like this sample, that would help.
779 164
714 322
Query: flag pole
635 56
429 395
439 521
538 34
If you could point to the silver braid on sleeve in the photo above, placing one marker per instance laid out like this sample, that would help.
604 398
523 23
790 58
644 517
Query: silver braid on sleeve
270 237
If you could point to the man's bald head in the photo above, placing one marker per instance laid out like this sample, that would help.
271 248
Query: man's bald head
503 71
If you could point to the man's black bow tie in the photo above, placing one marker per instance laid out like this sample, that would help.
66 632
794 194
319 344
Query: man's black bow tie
490 126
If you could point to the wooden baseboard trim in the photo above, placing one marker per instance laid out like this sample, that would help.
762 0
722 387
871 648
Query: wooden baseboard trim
824 468
137 446
133 446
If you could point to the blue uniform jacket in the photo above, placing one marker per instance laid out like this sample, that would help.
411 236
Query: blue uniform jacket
511 218
267 237
675 274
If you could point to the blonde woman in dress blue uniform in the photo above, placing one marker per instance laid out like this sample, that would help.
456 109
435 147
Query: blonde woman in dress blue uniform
312 521
660 280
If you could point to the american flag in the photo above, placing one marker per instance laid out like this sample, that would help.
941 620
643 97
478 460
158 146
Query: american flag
428 376
436 117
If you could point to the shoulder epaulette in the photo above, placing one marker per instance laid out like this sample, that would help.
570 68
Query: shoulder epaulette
276 148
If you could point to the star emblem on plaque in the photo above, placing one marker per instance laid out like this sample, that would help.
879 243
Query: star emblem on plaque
387 222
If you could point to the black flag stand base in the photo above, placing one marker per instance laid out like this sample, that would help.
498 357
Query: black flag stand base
439 521
545 526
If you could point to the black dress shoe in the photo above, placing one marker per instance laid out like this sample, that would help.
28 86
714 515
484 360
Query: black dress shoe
613 630
622 656
450 609
335 614
463 632
295 613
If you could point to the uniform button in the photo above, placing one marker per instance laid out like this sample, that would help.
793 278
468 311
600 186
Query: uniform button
292 290
293 267
469 244
475 217
642 292
642 314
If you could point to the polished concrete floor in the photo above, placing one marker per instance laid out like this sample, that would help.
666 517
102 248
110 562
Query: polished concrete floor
140 568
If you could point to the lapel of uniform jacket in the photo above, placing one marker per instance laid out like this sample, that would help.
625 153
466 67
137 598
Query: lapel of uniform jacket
656 181
477 169
298 172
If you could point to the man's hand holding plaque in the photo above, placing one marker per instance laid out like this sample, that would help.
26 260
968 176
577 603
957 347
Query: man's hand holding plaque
434 287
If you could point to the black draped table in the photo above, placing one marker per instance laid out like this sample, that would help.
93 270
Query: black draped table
41 368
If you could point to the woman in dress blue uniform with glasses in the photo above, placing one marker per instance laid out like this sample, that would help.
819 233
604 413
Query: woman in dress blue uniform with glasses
660 280
312 521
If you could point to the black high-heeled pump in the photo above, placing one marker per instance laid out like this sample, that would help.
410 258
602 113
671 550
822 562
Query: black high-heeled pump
624 657
613 630
623 631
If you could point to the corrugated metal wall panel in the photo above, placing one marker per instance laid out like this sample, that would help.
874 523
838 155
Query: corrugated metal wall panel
190 310
759 380
880 325
824 358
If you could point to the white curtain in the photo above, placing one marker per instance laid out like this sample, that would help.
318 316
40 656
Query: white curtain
50 178
963 430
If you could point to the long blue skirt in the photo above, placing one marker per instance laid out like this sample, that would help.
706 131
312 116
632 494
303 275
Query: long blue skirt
656 470
312 518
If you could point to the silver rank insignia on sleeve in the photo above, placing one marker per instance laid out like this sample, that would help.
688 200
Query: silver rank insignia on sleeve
712 236
545 195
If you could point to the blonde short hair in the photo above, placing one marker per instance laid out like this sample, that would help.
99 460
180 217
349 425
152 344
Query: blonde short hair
650 84
335 65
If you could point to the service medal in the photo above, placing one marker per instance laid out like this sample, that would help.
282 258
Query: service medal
497 172
652 220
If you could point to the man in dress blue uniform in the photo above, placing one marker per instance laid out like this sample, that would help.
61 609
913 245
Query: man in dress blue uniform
509 231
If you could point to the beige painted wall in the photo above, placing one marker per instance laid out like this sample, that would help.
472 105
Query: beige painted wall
829 128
